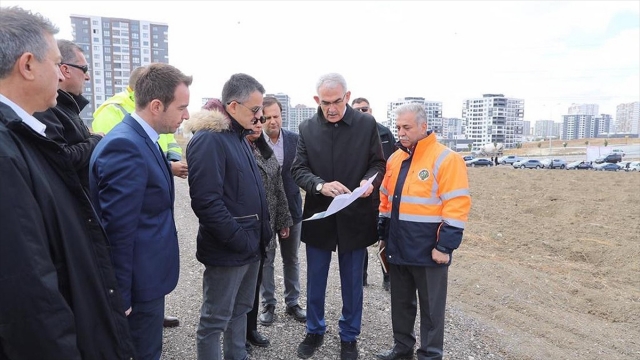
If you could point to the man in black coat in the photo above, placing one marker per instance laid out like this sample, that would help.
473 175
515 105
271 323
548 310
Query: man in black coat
388 142
338 150
59 295
63 121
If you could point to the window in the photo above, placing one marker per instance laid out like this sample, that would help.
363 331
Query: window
145 35
146 60
155 44
135 36
107 58
145 51
95 31
105 25
136 60
98 97
107 74
155 52
135 43
97 81
95 22
107 33
108 83
96 48
85 22
98 89
86 31
145 27
97 73
107 49
107 41
145 43
124 25
125 57
155 36
135 51
96 65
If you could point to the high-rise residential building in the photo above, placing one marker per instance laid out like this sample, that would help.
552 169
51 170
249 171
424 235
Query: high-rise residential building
583 109
451 127
113 48
286 106
585 126
432 108
526 128
493 118
546 128
298 114
628 118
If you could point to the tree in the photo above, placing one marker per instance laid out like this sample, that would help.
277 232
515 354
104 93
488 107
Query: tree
564 144
606 142
470 146
586 142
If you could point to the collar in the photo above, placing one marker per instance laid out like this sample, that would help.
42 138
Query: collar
26 118
264 134
78 102
151 133
237 128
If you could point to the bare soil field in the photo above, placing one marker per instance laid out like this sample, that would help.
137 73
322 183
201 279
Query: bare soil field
551 259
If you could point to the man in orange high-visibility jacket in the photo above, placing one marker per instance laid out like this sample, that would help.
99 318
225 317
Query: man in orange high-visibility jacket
424 204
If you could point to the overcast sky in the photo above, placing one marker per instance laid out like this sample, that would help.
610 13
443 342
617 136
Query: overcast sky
549 53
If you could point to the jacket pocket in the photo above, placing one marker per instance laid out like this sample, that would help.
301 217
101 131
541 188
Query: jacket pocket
249 240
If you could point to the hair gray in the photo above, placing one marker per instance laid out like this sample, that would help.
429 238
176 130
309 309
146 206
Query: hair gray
20 32
239 88
68 50
331 81
415 108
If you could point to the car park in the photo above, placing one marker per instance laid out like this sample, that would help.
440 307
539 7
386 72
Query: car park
579 165
479 162
529 164
606 167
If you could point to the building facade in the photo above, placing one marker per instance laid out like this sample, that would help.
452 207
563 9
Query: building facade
493 118
585 126
628 118
113 48
545 129
298 114
583 109
286 107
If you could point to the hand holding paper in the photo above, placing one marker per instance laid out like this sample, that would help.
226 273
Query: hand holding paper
342 201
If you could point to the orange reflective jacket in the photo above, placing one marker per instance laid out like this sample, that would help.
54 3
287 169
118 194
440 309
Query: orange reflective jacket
425 198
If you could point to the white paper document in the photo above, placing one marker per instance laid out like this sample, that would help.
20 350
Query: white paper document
342 201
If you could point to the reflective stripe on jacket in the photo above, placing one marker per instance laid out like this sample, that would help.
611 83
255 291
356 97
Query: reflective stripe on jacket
114 109
425 196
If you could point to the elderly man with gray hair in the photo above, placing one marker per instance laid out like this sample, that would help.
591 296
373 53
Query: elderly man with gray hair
338 150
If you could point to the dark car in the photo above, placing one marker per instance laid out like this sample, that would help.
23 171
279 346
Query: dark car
580 165
479 162
607 167
468 157
611 158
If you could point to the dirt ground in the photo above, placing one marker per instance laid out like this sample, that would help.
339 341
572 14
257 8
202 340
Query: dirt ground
551 260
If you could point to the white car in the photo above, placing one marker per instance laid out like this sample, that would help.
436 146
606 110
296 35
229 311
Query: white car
633 166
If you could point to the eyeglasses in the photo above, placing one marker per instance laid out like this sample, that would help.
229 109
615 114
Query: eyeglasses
254 110
337 102
84 68
363 109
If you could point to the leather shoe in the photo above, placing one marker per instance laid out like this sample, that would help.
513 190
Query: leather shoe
297 312
309 345
170 321
257 339
386 284
394 355
348 350
267 317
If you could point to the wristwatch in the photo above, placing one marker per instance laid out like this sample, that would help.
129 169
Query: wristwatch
319 187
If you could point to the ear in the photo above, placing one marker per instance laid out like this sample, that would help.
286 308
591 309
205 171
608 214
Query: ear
347 96
317 99
64 69
232 108
156 106
25 65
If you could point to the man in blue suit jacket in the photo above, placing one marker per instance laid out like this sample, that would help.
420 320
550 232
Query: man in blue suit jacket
132 187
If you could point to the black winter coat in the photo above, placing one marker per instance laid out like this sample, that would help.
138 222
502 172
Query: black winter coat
348 151
65 127
59 297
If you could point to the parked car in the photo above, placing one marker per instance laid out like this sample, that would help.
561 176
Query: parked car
611 158
529 164
633 166
607 167
618 151
554 163
509 159
479 162
579 165
468 157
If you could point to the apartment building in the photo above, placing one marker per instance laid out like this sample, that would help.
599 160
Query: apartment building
628 118
493 118
432 108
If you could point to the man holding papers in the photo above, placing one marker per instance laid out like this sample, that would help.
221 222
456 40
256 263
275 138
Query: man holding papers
338 151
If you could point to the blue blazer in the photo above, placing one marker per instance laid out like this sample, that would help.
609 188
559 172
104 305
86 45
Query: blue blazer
132 189
290 143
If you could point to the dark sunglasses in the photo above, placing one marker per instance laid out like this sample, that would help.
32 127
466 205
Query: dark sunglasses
363 109
262 120
84 68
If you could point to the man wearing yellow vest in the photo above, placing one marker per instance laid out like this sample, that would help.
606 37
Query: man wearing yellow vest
112 111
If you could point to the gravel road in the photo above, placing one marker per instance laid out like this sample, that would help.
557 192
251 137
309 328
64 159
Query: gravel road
465 338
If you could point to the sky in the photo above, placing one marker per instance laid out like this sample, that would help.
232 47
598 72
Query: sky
549 53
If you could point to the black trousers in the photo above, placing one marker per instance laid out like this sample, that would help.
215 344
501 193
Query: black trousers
431 286
252 316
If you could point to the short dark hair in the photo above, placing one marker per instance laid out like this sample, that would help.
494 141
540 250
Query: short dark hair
239 88
359 100
270 100
159 81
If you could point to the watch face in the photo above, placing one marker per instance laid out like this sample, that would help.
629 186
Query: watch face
319 187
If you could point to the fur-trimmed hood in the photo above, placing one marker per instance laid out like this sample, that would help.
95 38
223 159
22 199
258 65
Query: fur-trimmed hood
212 120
